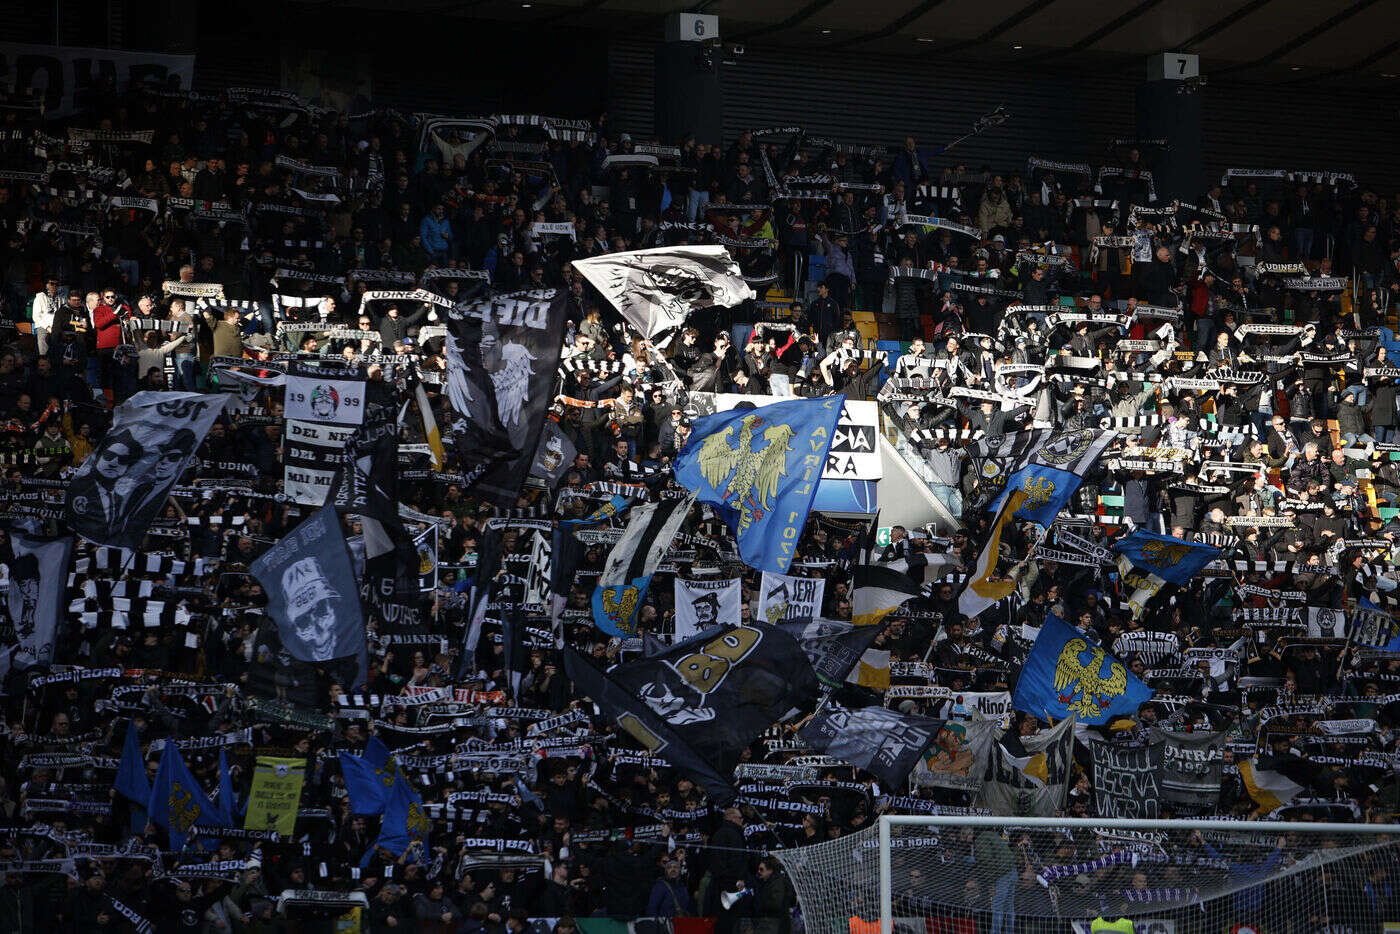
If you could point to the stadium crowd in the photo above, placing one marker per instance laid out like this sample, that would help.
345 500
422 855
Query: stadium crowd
1240 346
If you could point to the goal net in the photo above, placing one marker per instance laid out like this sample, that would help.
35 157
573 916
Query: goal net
989 875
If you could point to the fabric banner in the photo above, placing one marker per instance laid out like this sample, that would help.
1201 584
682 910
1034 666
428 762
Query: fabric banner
1065 673
959 754
502 354
38 578
1327 623
1192 766
1127 780
554 456
784 599
315 395
117 491
840 652
703 603
656 290
1032 785
993 705
701 703
885 743
275 795
64 74
313 455
311 590
854 453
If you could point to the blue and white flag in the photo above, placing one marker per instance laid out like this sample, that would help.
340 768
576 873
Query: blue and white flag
760 468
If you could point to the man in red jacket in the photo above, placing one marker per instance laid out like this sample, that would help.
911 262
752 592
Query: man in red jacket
109 335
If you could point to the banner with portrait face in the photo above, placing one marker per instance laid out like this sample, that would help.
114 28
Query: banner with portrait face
704 603
118 490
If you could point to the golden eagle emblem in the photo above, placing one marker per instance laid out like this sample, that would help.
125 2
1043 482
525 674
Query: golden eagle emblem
1038 492
416 822
1164 554
752 475
1095 691
622 609
183 810
389 773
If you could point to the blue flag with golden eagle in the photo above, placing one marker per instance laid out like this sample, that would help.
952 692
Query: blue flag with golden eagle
759 468
1035 493
1149 561
1174 560
177 803
1064 674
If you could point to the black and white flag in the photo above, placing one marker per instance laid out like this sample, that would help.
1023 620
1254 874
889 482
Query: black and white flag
701 703
885 743
118 490
655 290
328 393
1128 780
1327 623
704 603
1192 768
38 576
502 354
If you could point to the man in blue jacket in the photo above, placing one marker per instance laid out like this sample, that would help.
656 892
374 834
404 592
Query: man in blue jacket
436 233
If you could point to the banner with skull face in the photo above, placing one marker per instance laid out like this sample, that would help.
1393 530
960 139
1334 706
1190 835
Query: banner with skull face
311 590
118 490
656 290
502 354
38 576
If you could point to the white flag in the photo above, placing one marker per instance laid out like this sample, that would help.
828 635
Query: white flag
701 603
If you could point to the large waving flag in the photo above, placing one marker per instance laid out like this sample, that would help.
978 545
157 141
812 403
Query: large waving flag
760 468
177 802
699 704
1163 559
1064 674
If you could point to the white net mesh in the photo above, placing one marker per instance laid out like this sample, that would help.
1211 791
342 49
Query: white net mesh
995 878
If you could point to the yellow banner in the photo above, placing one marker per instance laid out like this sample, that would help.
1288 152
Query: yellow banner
272 803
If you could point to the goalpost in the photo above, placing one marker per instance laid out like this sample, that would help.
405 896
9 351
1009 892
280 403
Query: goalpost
962 874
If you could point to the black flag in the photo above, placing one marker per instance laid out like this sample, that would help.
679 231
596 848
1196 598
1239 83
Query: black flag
502 358
700 703
883 742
